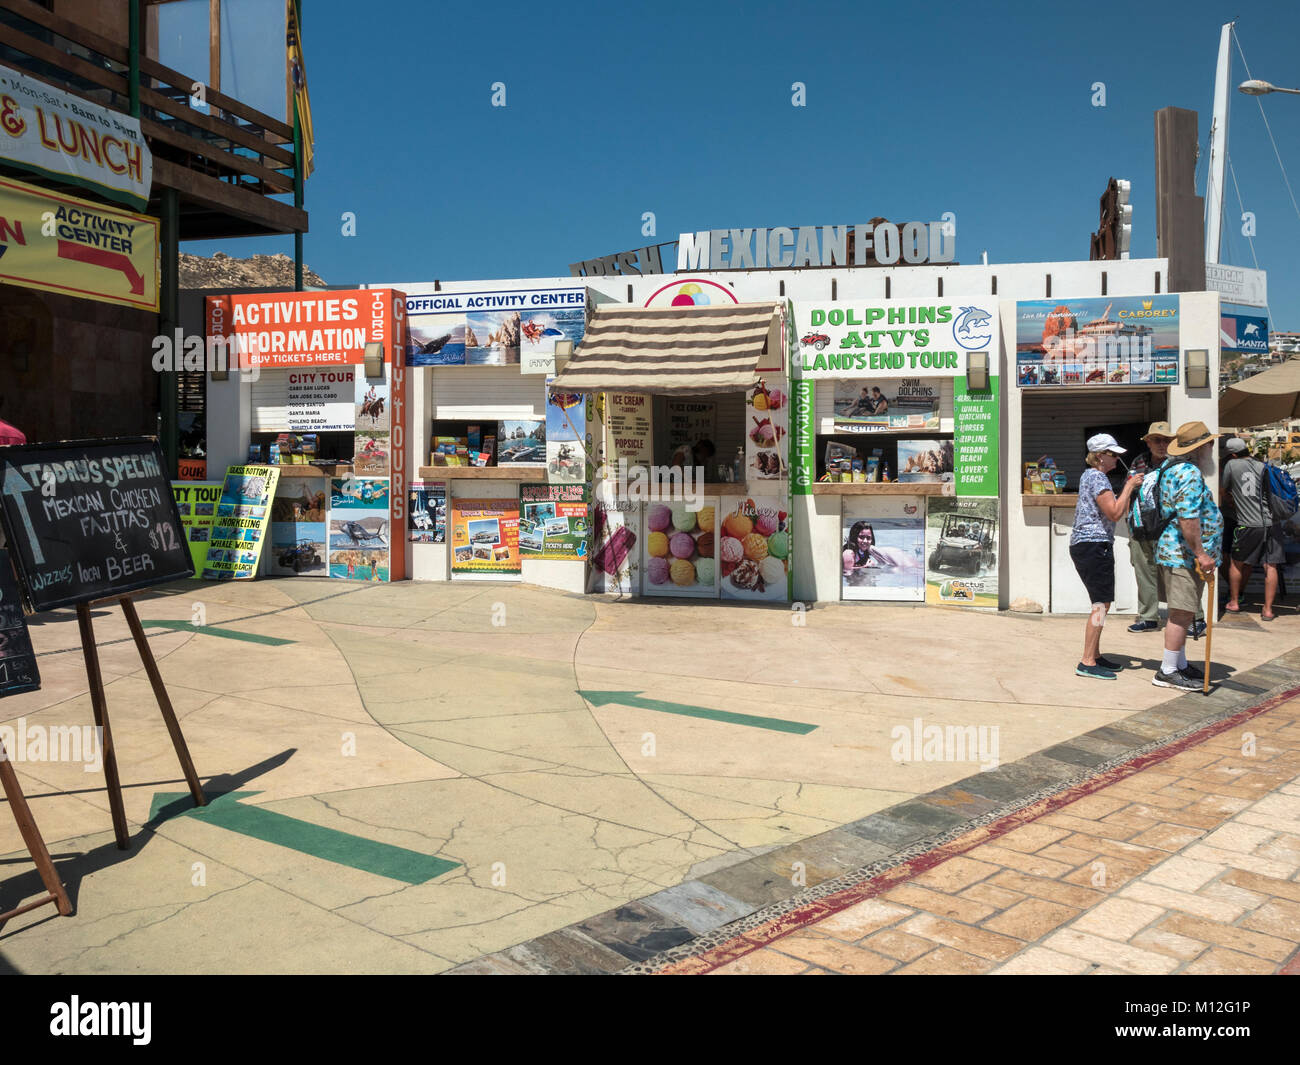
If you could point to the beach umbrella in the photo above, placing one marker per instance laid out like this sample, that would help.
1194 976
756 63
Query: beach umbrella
1271 396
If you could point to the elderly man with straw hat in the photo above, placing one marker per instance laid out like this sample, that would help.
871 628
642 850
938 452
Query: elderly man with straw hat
1142 553
1189 545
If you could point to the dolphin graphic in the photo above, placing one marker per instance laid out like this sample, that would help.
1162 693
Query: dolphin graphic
971 319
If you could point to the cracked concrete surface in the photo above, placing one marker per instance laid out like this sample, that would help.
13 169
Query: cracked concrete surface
401 714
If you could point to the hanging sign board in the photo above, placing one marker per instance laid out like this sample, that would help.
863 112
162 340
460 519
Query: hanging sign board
90 519
18 672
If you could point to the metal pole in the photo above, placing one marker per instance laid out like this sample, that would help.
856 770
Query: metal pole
133 61
297 164
169 320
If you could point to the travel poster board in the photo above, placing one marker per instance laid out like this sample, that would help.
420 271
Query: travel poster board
243 513
197 503
553 521
961 547
567 439
358 532
873 405
1099 341
882 549
426 514
485 536
298 513
18 672
90 519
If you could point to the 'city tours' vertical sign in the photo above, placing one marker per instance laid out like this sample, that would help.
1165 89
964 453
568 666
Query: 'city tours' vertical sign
392 329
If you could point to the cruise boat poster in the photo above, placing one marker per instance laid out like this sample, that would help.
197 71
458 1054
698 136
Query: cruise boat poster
1130 340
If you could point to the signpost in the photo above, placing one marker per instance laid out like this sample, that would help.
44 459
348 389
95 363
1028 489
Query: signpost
18 673
89 520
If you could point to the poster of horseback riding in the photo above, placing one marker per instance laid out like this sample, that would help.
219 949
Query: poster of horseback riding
197 503
961 548
567 441
358 528
298 527
1098 341
485 536
243 513
553 521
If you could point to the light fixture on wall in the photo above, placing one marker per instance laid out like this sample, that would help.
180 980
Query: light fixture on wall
977 371
220 375
1197 363
563 349
375 359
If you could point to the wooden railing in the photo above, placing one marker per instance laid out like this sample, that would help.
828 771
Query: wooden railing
230 141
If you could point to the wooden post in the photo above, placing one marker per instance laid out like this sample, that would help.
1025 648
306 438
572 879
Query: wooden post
99 704
164 702
35 845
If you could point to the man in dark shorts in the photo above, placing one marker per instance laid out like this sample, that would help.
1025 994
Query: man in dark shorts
1258 539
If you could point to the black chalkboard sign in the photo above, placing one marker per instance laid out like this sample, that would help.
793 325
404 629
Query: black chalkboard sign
18 671
89 519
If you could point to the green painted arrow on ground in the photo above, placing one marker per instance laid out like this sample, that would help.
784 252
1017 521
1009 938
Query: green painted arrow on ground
212 630
329 844
775 724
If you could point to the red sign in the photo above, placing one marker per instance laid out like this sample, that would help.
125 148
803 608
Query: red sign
289 329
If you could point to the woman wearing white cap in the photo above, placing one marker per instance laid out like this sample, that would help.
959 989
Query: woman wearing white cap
1092 545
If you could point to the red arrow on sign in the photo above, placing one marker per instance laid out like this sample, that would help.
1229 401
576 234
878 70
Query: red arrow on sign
113 260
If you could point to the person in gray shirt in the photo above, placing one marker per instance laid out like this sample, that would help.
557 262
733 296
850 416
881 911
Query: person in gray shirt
1258 537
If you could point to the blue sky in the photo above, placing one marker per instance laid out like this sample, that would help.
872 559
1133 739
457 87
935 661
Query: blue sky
684 109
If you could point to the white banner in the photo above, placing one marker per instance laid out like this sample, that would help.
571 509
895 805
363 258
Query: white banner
64 136
1238 284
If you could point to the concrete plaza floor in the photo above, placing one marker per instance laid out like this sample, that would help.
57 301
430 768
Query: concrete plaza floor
503 778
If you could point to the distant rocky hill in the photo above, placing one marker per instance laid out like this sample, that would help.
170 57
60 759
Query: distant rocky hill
257 271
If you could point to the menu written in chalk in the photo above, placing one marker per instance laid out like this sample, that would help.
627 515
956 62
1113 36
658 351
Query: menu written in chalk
18 671
89 519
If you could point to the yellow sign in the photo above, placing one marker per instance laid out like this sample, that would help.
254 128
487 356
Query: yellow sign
63 244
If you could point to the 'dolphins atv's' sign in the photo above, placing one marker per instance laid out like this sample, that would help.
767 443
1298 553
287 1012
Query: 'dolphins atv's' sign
899 367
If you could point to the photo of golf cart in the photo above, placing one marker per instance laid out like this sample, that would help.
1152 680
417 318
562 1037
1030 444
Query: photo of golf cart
966 544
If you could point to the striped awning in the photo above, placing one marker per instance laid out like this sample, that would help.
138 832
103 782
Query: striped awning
671 351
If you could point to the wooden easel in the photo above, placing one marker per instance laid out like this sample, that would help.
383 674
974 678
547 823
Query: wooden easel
54 889
100 705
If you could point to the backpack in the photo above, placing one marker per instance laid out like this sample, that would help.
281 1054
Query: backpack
1280 491
1144 520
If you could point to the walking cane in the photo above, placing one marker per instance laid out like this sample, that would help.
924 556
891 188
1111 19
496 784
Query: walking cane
1211 607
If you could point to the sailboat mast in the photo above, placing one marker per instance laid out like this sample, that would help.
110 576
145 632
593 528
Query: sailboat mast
1218 147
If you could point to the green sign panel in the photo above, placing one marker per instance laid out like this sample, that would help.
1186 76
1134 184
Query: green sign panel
975 439
803 437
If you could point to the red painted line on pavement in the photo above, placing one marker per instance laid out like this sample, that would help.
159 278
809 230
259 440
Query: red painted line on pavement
1292 967
797 919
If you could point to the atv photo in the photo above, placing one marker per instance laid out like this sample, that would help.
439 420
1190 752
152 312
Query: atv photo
966 544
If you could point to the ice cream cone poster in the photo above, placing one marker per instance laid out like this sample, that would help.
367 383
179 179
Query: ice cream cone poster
754 551
681 550
767 415
961 545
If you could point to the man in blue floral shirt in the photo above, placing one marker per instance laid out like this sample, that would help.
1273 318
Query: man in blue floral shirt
1190 542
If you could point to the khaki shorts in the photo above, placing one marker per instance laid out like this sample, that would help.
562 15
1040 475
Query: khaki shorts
1182 588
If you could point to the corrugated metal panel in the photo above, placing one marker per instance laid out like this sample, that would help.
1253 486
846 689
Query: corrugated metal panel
486 393
271 402
1053 424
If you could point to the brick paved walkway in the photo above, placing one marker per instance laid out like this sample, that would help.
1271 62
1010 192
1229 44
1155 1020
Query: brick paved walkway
1183 861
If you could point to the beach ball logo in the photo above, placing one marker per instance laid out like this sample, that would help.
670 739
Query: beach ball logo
692 292
690 295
